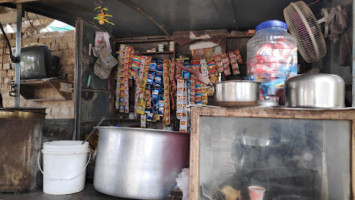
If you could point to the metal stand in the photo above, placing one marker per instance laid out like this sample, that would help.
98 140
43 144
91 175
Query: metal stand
17 54
77 77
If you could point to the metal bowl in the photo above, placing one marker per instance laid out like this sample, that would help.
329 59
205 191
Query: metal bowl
139 163
237 93
315 91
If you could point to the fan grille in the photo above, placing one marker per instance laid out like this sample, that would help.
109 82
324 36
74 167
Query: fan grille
311 43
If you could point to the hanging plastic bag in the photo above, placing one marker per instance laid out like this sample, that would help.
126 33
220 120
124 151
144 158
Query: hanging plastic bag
105 61
183 183
102 37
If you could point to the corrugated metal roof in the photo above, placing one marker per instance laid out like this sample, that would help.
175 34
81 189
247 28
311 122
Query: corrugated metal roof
171 15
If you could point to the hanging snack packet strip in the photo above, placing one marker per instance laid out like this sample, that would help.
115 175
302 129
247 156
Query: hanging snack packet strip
172 85
121 53
198 93
239 57
186 74
118 76
150 93
127 65
235 68
188 92
232 57
183 120
196 66
198 84
136 60
166 80
123 80
122 77
139 78
212 70
179 98
141 99
225 62
204 70
219 63
121 89
192 93
234 62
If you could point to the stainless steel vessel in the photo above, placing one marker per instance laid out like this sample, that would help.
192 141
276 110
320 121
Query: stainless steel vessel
237 93
315 91
139 163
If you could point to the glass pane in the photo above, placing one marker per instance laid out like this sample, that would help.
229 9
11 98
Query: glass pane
289 158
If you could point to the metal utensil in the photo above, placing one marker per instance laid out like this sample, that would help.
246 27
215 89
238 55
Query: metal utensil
315 91
237 93
93 130
230 93
139 163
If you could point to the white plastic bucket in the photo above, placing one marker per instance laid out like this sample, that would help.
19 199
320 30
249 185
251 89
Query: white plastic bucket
64 166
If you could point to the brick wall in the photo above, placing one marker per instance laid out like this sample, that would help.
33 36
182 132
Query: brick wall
61 45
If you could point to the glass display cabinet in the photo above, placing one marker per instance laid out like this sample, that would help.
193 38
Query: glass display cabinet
285 153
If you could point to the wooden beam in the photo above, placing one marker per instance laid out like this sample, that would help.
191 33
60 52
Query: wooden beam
10 16
17 1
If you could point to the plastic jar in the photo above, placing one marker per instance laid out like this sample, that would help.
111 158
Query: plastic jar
272 58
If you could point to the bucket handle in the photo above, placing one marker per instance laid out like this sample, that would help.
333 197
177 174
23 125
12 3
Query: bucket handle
45 174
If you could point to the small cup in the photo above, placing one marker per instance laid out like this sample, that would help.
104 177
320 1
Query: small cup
256 192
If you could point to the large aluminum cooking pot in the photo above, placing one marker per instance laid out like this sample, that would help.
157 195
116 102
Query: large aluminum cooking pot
315 91
237 93
139 163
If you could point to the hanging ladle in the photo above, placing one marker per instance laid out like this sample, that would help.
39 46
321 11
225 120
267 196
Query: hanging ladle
93 130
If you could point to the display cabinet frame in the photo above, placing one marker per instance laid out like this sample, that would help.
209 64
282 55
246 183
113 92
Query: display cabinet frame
346 114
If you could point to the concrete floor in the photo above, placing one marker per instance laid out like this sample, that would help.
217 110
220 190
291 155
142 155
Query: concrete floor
89 193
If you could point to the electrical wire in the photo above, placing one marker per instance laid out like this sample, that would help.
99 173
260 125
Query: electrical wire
314 2
12 57
2 65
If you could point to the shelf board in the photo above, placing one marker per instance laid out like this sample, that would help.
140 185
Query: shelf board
37 100
239 36
63 88
148 39
129 120
156 53
37 81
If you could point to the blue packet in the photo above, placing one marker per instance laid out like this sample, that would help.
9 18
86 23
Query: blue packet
149 81
155 94
152 67
150 116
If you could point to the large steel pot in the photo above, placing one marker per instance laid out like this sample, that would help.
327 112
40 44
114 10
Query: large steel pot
139 163
315 91
237 93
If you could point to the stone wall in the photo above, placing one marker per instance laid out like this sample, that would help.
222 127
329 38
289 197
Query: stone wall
61 45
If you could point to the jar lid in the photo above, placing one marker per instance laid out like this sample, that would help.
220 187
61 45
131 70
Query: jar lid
270 24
